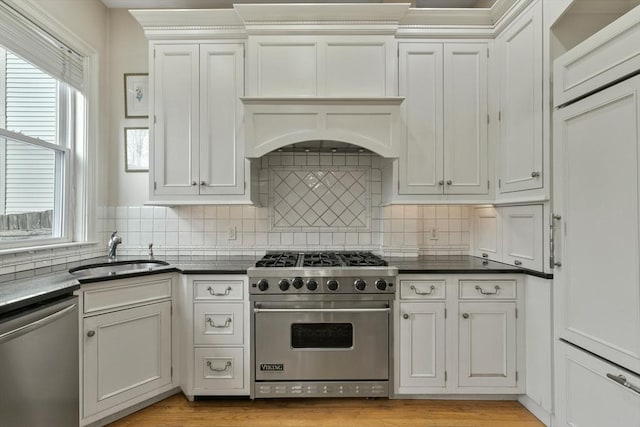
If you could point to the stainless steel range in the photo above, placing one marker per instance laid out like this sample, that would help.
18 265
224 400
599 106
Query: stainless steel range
321 324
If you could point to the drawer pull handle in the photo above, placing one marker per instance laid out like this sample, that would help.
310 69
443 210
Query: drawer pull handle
431 289
226 366
218 294
517 262
622 380
483 292
213 324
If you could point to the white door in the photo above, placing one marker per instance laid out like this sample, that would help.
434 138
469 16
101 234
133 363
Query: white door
175 132
519 51
126 354
420 79
589 395
522 236
221 144
487 344
597 191
465 118
487 233
422 345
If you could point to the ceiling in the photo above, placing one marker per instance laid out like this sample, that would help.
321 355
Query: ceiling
223 4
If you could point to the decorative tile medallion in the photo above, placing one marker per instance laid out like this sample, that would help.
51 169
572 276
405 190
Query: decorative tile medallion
321 198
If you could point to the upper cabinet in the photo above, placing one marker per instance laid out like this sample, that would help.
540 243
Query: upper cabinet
520 165
446 114
197 147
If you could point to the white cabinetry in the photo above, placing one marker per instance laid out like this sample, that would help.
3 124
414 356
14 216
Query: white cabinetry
519 55
459 335
445 110
126 344
589 396
214 336
598 193
510 234
196 140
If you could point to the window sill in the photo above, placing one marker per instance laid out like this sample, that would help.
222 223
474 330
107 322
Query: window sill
53 246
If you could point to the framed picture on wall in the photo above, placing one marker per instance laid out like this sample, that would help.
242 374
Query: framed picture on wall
136 149
136 95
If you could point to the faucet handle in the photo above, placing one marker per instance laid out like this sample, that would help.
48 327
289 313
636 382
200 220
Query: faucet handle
151 250
114 234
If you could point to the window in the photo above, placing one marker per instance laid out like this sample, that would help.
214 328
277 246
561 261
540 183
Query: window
40 98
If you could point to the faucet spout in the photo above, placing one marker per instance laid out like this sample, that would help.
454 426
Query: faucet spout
114 241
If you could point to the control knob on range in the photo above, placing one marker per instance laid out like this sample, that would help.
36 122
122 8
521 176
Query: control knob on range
297 283
283 285
263 285
360 284
333 285
312 285
381 284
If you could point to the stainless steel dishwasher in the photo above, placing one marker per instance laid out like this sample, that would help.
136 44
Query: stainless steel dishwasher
39 366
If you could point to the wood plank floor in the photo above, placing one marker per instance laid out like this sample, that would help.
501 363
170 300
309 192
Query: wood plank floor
177 411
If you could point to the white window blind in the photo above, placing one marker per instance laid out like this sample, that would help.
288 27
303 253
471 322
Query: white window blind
23 37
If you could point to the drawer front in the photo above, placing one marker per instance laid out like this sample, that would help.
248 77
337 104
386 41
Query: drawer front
121 296
422 289
487 289
218 368
204 290
218 324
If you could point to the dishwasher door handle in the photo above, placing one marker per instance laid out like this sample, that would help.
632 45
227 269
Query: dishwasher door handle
321 310
36 324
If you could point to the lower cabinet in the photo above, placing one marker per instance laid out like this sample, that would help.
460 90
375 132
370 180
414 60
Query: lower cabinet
590 392
214 335
126 344
459 335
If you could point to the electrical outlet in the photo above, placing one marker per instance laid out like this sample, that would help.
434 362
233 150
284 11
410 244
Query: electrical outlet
232 233
433 234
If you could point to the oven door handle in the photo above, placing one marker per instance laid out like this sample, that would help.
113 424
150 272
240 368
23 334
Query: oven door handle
321 310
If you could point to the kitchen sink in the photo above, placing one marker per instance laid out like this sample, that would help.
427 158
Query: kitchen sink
116 267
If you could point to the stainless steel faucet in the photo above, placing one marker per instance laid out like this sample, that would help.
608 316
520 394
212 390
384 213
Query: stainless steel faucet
114 241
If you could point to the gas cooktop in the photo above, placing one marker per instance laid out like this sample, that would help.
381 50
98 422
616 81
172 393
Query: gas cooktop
321 259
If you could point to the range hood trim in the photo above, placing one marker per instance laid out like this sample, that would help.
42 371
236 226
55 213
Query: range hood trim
373 123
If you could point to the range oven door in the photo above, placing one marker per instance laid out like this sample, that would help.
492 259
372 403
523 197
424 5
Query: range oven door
321 341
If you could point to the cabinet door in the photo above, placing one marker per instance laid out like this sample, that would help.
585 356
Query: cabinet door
588 397
487 233
522 236
487 345
421 167
465 118
520 63
126 354
175 132
598 193
422 345
221 147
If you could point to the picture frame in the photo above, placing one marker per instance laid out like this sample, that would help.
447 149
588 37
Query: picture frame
136 95
136 149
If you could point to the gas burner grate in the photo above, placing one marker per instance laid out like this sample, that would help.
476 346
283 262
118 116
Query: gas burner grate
362 259
278 259
321 259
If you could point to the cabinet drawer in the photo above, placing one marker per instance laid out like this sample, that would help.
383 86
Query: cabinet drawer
422 289
126 295
487 289
218 368
218 290
218 323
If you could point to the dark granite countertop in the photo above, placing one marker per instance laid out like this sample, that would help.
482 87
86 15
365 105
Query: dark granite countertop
16 294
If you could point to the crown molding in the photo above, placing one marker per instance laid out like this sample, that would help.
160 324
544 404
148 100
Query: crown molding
176 24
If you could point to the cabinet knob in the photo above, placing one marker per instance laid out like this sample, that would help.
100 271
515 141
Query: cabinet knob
535 174
405 316
91 333
485 255
465 315
441 182
517 262
449 182
203 183
194 183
